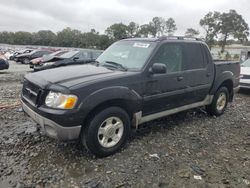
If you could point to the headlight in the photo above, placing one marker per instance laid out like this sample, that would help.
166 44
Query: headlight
48 64
61 101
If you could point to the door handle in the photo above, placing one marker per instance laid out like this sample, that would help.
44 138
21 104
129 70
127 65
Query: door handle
208 74
179 78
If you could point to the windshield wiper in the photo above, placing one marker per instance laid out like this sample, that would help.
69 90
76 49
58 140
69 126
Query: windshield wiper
116 65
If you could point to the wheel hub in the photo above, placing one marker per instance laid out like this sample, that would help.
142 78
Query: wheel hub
110 132
221 102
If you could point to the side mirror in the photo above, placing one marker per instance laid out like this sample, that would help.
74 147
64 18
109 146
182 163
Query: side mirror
158 68
75 58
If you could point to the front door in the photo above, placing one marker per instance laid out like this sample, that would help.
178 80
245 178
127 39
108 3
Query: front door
165 91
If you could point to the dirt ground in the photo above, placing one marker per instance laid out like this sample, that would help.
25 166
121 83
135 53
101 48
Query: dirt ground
190 149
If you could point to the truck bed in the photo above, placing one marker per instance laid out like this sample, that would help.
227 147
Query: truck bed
227 68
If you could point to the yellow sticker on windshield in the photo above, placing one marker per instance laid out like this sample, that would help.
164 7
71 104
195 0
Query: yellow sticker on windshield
141 45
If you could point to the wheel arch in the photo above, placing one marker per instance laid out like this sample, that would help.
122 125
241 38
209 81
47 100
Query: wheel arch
226 80
121 97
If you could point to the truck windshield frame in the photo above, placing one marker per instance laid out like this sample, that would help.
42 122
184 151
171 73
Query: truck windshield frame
130 54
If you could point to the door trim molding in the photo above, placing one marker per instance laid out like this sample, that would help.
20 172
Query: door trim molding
139 119
176 92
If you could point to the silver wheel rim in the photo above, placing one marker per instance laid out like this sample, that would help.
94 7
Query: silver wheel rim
26 61
221 102
110 132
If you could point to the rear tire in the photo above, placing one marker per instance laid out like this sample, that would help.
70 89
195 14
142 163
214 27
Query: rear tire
106 132
219 103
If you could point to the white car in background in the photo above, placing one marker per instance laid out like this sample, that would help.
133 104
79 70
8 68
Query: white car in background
9 54
245 74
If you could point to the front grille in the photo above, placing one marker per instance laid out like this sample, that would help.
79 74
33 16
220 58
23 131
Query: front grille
31 92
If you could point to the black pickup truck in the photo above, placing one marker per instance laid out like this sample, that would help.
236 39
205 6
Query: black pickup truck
134 81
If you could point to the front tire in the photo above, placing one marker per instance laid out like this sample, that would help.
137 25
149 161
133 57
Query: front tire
106 132
219 103
26 61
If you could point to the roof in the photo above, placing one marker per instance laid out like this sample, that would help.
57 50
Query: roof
163 38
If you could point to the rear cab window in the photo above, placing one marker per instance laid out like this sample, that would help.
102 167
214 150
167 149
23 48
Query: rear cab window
193 56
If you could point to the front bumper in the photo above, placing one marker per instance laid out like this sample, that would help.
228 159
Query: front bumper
245 83
51 128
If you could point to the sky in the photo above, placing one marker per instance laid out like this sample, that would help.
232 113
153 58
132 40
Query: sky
55 15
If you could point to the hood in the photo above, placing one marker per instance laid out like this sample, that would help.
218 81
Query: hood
245 70
70 76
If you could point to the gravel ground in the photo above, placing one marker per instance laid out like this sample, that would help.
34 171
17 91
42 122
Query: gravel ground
190 149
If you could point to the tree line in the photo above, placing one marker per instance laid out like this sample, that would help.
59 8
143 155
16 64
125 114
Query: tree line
220 28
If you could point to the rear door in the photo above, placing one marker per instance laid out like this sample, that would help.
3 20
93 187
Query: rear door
198 72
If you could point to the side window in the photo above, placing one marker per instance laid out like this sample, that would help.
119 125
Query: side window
84 55
193 57
43 53
170 54
208 57
36 54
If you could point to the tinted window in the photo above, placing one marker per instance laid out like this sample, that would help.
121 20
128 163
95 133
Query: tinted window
83 55
205 56
45 52
192 57
170 54
36 54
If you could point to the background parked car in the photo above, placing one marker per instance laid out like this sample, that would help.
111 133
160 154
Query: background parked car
70 58
245 74
4 64
46 58
244 55
9 53
25 58
15 54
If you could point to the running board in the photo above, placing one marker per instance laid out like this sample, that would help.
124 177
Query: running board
139 119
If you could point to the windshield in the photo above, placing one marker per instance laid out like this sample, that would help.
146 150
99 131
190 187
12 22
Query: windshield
69 54
129 54
246 63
